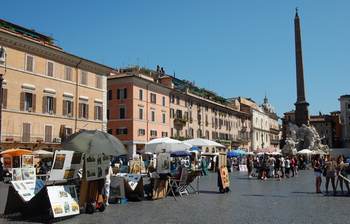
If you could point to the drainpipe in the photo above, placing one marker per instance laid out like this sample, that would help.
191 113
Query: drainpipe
76 96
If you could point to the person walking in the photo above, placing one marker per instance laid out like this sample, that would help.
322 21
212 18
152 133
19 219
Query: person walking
287 166
318 173
278 167
330 169
283 166
249 166
341 173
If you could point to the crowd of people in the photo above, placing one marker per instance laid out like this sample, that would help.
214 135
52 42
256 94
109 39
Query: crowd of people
334 170
274 166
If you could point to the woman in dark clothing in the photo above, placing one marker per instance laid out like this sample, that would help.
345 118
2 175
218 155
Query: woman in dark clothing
318 173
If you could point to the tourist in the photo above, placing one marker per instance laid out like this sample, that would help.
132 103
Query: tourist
106 189
249 166
287 166
283 166
330 171
271 164
341 169
318 173
278 167
292 166
1 170
263 169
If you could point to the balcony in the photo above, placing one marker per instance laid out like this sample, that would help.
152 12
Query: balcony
180 122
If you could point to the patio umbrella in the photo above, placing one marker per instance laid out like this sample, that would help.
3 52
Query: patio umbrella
203 142
305 151
15 152
169 145
95 142
236 153
180 153
42 153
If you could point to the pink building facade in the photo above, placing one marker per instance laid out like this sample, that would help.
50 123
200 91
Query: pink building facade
138 110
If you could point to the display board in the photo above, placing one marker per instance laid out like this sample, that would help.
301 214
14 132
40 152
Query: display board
23 174
163 163
27 188
222 160
63 200
66 165
225 178
243 168
97 166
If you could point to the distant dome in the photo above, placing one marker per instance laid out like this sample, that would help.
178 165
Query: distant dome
267 106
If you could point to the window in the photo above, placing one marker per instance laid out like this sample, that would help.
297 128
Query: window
98 112
140 94
153 115
83 77
177 100
83 110
141 132
107 114
122 93
163 101
110 94
49 104
178 113
122 112
171 113
153 98
172 98
48 133
27 102
68 131
122 131
110 131
98 82
153 133
140 113
164 134
30 63
163 118
49 68
68 73
26 132
257 136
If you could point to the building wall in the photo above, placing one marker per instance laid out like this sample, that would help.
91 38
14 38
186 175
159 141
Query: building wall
135 139
260 129
16 81
345 118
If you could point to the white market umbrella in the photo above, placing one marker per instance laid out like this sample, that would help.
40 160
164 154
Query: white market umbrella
318 152
305 151
42 153
158 145
200 142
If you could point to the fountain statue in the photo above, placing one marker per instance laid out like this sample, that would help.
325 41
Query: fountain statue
304 137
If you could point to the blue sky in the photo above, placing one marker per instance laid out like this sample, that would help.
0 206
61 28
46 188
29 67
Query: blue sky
235 48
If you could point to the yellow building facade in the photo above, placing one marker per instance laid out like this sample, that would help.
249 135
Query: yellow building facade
47 93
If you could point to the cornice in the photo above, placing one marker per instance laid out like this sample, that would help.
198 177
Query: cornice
53 54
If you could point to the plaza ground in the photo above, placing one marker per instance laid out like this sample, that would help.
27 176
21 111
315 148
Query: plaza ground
251 201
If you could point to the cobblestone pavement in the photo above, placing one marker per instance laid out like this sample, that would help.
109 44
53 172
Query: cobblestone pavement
251 201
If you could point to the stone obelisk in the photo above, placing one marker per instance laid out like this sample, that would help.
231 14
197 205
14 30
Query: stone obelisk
301 106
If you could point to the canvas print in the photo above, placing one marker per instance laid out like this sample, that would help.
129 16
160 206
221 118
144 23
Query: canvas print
28 174
27 161
68 174
59 162
57 209
7 162
76 159
16 174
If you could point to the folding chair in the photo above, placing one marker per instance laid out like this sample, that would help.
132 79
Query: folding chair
181 184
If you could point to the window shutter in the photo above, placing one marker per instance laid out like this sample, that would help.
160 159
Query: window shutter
64 108
72 106
87 111
45 104
118 94
95 114
54 105
125 93
33 102
21 106
4 98
80 110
